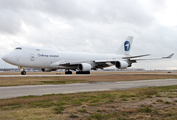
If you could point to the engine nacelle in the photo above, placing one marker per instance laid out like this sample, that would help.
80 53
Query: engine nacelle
121 64
84 67
47 70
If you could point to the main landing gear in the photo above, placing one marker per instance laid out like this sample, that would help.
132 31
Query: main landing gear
68 72
77 72
82 72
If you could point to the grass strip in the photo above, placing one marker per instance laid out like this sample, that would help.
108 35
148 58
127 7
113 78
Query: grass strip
115 104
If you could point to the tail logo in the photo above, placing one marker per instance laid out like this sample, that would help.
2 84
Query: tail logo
127 46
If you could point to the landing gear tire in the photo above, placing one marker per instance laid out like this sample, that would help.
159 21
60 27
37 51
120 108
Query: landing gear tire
23 72
68 72
82 72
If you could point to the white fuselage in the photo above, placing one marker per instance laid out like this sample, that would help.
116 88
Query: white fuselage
45 58
81 62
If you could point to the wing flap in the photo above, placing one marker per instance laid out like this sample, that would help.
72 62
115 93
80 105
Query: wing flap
130 57
64 63
105 61
114 60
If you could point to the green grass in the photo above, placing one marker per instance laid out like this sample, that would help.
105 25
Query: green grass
95 100
159 100
149 96
98 105
124 99
169 114
133 99
144 110
128 95
76 102
117 116
82 110
167 102
73 116
14 107
99 110
99 116
158 95
59 109
17 81
148 92
145 105
106 95
110 101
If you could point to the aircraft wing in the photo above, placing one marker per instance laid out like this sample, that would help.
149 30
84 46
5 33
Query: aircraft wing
66 63
158 58
106 63
76 63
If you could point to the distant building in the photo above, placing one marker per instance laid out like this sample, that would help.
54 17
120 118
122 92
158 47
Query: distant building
18 69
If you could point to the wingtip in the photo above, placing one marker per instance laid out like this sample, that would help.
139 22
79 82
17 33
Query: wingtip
170 56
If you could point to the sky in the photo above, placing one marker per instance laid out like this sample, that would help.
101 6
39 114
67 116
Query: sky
96 26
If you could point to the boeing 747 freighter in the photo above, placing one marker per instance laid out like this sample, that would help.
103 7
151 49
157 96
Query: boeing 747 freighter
81 62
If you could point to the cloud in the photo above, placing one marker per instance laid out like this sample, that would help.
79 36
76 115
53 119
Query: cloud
86 25
9 22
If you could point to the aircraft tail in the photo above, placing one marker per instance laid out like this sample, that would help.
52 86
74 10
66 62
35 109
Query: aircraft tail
126 46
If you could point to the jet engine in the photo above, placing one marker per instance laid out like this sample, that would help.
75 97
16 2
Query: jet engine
84 67
121 64
47 70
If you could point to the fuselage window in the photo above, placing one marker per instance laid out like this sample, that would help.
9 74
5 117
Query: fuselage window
18 48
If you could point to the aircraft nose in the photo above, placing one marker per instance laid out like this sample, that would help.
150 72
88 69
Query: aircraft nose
4 58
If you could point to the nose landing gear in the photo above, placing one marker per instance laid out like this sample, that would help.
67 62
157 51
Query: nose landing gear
23 72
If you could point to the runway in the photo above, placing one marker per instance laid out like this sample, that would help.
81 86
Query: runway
17 91
53 75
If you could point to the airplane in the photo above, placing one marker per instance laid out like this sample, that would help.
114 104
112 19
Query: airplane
50 60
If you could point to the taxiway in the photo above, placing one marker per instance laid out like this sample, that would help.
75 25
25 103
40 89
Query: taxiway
17 91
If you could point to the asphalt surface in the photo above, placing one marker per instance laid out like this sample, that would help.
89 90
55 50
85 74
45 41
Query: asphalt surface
17 91
86 74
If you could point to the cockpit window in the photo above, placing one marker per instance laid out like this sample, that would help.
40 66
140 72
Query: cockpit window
18 48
